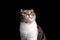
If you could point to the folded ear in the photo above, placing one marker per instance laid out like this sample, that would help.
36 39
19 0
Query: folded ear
21 10
32 10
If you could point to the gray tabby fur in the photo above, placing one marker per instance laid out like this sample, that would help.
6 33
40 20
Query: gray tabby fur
41 35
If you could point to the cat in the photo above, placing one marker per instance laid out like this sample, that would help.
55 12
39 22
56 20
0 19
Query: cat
29 30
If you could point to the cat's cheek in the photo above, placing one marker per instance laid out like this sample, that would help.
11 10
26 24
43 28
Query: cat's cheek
30 15
31 19
23 14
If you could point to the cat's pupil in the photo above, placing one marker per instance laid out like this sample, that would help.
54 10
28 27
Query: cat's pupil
31 12
24 12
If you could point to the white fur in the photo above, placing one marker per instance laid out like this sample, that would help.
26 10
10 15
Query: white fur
28 31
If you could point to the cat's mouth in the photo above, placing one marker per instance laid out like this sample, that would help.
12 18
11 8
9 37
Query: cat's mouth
30 18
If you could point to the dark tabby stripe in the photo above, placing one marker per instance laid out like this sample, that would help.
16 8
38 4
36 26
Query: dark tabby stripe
41 35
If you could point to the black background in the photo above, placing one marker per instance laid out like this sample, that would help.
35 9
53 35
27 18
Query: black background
11 18
41 9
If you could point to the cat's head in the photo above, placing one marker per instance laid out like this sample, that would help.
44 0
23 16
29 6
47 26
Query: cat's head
28 15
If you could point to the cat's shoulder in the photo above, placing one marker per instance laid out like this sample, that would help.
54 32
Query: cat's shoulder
41 34
39 28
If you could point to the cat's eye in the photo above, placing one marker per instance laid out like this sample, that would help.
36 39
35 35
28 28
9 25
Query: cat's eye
31 13
24 12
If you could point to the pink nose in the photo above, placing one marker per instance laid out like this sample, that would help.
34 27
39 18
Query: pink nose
28 14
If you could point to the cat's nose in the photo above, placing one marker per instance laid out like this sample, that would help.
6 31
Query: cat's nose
28 14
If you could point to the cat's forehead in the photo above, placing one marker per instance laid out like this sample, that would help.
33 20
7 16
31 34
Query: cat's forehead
27 10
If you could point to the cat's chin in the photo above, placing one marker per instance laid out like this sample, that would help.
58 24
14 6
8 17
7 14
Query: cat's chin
31 19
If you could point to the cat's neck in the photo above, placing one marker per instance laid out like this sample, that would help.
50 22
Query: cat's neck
28 22
33 24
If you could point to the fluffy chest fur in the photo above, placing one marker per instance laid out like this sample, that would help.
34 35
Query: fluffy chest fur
28 31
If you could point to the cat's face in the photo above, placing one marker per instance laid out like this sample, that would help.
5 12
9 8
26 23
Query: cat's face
28 15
